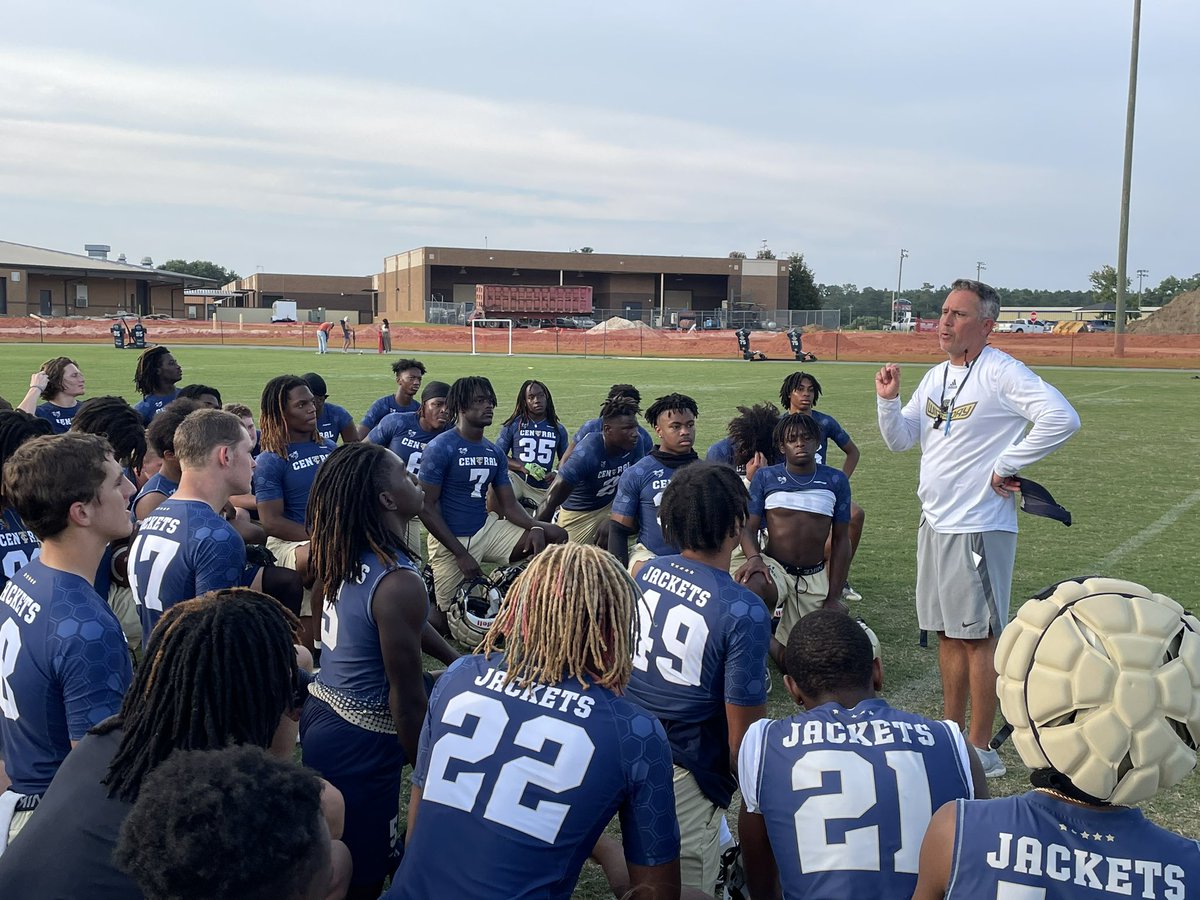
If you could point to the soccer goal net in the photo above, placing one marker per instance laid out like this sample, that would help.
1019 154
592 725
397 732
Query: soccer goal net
476 349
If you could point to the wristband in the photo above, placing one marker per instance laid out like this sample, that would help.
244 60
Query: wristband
755 556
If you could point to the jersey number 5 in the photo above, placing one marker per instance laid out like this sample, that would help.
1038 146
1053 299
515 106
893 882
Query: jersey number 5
542 820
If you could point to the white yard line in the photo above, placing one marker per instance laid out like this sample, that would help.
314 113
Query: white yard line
1119 387
1151 531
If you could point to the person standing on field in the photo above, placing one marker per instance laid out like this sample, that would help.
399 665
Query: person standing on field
971 417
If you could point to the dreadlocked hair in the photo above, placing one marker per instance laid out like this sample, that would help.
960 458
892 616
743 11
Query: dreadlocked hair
219 670
703 505
146 377
55 369
615 407
521 410
463 391
796 425
272 423
625 390
671 403
572 612
792 383
343 518
17 427
115 419
752 431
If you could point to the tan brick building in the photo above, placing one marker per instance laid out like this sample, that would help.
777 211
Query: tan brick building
49 283
352 293
648 287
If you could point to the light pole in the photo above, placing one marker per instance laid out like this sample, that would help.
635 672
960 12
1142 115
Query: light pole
1126 176
979 267
899 278
1141 273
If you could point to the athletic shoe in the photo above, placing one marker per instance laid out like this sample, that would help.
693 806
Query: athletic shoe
993 765
849 593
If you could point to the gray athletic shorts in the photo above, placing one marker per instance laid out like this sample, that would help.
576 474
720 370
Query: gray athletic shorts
964 581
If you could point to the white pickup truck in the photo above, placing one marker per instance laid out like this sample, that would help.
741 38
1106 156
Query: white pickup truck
1023 326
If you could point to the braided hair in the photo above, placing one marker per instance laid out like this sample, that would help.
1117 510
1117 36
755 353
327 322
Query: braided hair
752 431
343 518
674 402
793 383
521 411
704 504
17 427
615 407
219 670
572 612
463 391
115 419
625 390
272 419
147 377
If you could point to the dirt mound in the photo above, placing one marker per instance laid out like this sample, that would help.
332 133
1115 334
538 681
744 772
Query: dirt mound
1180 316
616 323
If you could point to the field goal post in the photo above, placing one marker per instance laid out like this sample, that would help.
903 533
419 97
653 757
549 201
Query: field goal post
508 322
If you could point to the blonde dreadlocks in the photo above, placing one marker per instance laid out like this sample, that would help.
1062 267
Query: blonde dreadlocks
572 612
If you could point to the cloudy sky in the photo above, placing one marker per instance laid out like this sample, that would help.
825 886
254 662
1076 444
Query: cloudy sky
320 137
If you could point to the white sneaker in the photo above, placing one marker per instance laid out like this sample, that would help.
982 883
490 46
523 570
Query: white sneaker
993 765
850 593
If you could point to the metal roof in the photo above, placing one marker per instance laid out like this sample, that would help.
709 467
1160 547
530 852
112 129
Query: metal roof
22 256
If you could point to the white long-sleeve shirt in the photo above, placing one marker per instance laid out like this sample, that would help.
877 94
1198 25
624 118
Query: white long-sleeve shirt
992 402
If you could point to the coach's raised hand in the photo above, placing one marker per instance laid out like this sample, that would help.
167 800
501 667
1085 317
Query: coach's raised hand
887 382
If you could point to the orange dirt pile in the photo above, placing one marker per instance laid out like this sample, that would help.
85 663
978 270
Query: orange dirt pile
1180 316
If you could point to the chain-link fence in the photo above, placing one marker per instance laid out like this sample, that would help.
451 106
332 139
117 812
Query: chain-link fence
439 312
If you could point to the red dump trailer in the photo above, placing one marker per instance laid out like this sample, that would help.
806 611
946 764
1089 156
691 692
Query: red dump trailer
531 301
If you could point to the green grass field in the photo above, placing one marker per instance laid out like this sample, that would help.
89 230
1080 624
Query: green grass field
1129 476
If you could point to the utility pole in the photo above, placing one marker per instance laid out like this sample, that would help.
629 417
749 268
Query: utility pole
899 278
979 267
1126 176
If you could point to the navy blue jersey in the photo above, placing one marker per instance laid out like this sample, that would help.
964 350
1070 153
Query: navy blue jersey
385 405
1034 845
403 435
182 550
59 417
595 473
523 779
351 658
157 484
830 431
593 426
824 492
64 667
639 494
702 644
18 545
152 404
533 442
464 470
290 479
846 795
332 420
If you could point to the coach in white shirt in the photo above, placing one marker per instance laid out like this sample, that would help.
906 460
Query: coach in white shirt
970 416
